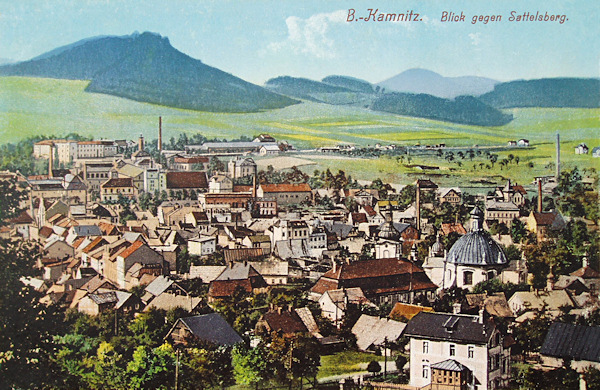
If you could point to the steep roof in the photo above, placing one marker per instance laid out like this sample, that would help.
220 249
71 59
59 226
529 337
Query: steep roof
285 321
448 327
374 331
118 182
586 273
576 342
450 365
212 328
181 180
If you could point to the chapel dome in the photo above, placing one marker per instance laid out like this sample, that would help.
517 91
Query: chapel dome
477 247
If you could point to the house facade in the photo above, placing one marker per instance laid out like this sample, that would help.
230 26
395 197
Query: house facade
439 340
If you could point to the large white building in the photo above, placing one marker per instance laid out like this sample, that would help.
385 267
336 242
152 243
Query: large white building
458 350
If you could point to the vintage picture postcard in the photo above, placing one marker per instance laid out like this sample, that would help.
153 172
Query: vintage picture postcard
362 194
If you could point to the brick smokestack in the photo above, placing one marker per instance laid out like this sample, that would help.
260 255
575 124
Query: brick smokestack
141 143
418 206
557 156
51 160
539 195
254 186
159 134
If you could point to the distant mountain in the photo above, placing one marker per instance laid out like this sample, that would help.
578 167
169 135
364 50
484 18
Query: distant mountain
431 83
463 109
350 83
145 67
5 61
559 92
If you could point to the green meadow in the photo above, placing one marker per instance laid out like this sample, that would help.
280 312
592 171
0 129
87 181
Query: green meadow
31 106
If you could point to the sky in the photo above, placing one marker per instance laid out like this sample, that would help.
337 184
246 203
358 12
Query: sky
261 39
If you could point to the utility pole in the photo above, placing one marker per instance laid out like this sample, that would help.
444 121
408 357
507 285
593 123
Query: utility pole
176 369
385 341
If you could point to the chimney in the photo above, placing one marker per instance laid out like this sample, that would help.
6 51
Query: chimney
51 160
279 310
254 186
480 317
141 143
418 206
334 266
585 262
557 156
456 308
159 134
539 195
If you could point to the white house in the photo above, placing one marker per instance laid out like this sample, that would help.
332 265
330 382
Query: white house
269 150
202 246
469 348
582 149
334 303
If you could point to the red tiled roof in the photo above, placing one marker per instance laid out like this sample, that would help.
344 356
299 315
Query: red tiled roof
226 288
286 322
302 187
520 189
359 217
241 188
586 273
191 160
93 245
376 276
46 231
22 218
129 251
369 210
118 182
181 180
544 219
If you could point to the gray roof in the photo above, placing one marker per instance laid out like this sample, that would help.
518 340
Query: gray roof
159 285
207 273
87 230
476 248
449 327
576 342
374 331
108 297
294 248
212 328
237 271
450 365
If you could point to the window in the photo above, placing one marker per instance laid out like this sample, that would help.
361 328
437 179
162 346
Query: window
471 352
452 350
425 346
468 278
425 369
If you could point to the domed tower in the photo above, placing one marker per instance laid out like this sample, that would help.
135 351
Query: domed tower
387 230
388 242
474 258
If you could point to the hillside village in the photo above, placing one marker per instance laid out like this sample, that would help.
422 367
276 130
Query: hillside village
193 267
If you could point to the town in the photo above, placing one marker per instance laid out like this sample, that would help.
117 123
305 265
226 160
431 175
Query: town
127 264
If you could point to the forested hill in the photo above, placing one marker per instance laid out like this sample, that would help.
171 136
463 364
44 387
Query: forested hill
145 67
559 92
463 109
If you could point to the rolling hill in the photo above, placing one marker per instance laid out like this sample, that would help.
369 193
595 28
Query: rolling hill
431 83
146 68
463 109
559 92
350 83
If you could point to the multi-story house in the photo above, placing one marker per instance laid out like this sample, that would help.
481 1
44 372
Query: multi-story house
241 167
286 194
112 188
469 352
96 149
501 211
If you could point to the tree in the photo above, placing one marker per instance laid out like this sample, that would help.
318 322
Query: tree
374 367
151 368
250 365
10 200
591 376
518 231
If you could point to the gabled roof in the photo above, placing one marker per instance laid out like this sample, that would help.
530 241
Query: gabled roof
87 230
359 218
129 251
495 305
448 228
238 271
118 182
576 342
159 285
545 218
192 180
286 322
243 254
586 273
211 328
407 310
374 331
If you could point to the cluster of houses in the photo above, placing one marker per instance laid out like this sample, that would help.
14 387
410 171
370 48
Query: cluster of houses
267 235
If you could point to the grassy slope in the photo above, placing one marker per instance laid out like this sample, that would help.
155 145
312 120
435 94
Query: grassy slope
31 106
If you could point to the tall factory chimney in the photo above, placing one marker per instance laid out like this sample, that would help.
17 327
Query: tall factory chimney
141 143
557 156
51 160
539 195
159 134
418 206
